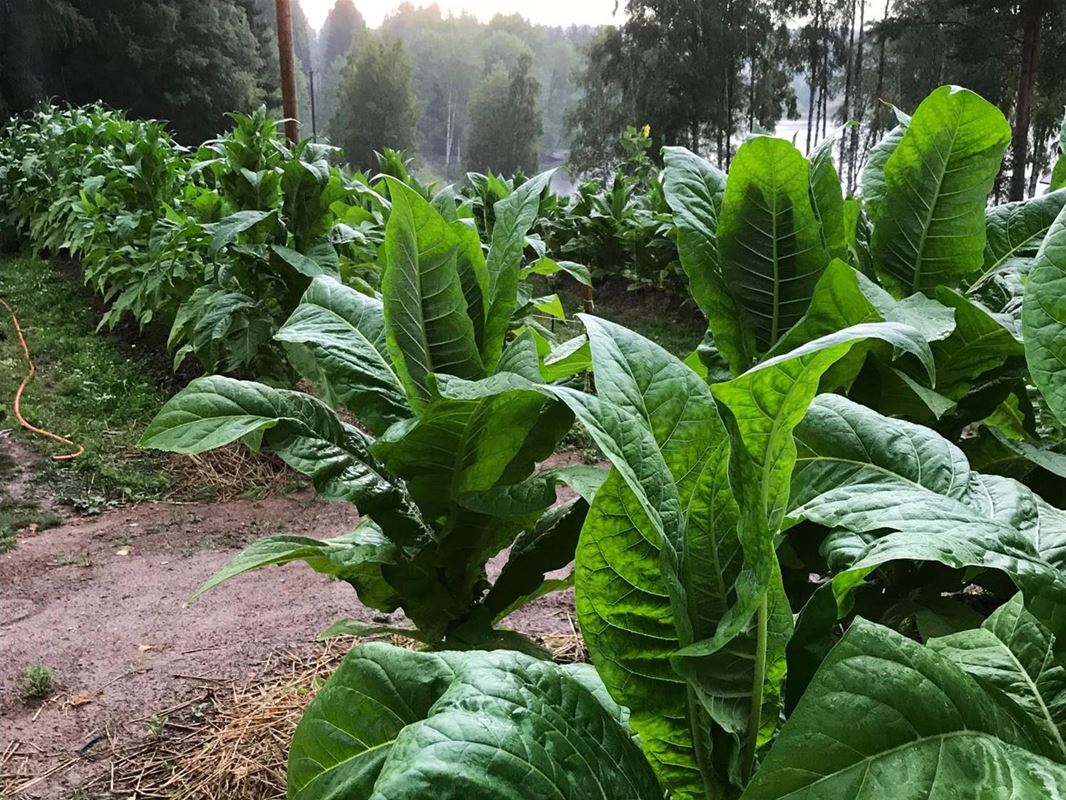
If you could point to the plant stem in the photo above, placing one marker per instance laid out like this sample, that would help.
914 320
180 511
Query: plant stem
747 757
700 727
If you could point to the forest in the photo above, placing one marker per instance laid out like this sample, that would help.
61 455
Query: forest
665 410
462 95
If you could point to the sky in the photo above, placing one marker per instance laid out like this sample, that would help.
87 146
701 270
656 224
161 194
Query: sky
544 12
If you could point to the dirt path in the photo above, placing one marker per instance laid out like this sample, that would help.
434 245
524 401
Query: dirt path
101 601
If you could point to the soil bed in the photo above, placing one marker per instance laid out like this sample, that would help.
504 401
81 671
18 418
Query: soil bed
100 601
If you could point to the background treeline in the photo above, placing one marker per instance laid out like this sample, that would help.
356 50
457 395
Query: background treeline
461 93
705 73
466 95
507 95
185 61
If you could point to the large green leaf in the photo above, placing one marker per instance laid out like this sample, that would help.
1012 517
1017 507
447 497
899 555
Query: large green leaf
929 228
887 718
336 339
1014 653
981 341
827 199
769 239
428 327
1014 233
549 266
892 490
1044 318
625 598
845 297
473 275
761 408
227 230
637 605
214 411
460 446
515 215
392 723
354 557
304 265
694 188
623 439
873 173
1058 172
547 546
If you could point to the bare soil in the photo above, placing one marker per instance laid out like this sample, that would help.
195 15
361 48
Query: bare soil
101 601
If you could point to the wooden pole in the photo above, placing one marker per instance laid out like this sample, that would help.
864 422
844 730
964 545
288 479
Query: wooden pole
288 69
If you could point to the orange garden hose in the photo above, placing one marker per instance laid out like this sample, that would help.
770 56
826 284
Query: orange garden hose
22 386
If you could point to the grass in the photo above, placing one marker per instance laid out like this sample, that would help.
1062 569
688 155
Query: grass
85 388
37 682
17 515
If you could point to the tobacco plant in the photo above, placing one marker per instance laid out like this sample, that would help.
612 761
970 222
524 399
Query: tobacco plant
443 485
217 245
745 671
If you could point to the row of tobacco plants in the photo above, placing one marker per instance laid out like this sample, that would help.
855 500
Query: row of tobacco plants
219 243
827 559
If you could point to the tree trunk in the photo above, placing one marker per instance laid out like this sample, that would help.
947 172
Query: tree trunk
825 84
875 129
449 131
1032 15
847 80
283 12
860 104
729 80
1038 161
812 107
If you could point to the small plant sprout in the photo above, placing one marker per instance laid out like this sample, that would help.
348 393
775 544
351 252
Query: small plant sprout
37 682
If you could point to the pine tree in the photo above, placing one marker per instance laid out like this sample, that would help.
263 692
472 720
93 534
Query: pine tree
375 104
504 124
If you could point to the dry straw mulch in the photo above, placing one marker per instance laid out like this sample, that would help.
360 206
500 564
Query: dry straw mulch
230 472
226 743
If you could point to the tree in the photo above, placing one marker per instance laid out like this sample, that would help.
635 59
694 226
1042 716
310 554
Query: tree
185 61
446 57
375 103
504 124
302 35
344 24
1003 49
263 23
32 34
682 68
604 111
343 32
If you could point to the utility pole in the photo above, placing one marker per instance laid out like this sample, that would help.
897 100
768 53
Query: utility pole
288 70
314 122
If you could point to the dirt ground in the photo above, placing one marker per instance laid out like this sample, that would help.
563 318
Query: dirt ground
100 600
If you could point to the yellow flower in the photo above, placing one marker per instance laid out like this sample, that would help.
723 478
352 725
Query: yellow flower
645 131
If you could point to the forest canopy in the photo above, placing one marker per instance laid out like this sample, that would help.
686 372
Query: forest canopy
703 73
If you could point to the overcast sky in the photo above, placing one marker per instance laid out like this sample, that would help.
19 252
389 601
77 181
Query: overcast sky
544 12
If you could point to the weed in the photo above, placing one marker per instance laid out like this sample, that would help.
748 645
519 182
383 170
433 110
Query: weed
16 516
71 559
37 682
156 725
